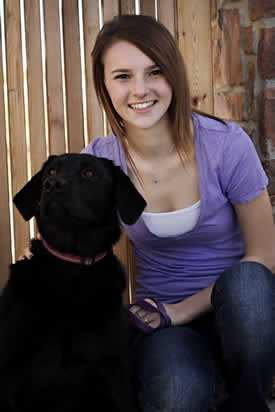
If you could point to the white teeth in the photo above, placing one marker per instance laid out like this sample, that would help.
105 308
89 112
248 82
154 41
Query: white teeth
142 105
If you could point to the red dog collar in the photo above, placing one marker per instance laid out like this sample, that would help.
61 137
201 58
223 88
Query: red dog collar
72 258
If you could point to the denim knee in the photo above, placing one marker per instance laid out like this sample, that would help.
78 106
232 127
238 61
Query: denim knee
243 300
176 373
246 285
173 392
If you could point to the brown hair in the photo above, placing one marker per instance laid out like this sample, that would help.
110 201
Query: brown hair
154 40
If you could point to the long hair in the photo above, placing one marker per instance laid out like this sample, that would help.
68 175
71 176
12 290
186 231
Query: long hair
155 41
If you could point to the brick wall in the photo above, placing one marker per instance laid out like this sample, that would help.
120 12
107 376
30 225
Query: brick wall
243 35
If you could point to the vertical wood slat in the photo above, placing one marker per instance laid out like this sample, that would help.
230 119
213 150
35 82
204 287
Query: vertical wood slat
167 12
195 44
16 114
35 85
127 7
5 233
147 7
110 9
73 75
54 77
91 29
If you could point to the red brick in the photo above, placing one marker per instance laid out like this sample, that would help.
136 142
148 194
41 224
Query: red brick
266 53
248 40
250 81
267 119
269 7
224 2
256 9
269 167
251 132
229 106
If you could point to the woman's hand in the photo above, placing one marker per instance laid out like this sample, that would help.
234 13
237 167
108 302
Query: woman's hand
153 318
180 313
27 254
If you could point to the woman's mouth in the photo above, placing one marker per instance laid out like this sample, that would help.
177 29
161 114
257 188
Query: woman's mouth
142 107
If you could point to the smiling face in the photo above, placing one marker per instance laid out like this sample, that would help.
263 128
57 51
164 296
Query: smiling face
138 90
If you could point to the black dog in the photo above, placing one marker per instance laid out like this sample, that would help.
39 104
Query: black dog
63 344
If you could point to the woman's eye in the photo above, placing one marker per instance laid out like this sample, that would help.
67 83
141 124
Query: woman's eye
122 76
156 72
52 172
88 173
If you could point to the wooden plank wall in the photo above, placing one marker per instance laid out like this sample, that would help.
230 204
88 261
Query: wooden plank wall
194 34
47 99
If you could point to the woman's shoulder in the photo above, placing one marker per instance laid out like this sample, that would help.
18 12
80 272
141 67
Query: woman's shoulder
213 124
99 145
107 146
220 131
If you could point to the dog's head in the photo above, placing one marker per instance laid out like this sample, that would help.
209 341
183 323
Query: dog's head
75 199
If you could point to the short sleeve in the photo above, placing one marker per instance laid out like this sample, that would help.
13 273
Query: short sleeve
243 177
108 147
92 148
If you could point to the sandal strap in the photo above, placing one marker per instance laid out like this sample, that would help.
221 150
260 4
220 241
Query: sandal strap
165 320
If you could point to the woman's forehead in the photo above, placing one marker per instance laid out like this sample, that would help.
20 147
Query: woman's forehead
125 55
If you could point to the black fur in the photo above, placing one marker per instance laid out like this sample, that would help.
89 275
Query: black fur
63 335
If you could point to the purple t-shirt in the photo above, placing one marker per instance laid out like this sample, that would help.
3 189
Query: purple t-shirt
230 172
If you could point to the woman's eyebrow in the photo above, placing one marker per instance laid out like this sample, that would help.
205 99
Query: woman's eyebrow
153 66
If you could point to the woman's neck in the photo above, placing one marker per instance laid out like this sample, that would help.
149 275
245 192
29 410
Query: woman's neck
150 144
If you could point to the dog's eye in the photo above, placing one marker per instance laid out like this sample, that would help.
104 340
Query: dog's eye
87 173
52 172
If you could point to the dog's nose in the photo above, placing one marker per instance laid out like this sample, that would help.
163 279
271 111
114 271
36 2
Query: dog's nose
55 184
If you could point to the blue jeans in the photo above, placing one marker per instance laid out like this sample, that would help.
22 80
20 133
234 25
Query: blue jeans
181 368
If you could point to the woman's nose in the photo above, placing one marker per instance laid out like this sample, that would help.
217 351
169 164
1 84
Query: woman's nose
140 88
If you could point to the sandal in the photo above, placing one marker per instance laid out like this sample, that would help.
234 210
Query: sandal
165 320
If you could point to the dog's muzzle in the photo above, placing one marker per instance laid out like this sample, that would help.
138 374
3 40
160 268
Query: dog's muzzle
56 185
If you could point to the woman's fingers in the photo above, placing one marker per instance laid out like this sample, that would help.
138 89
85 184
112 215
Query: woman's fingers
26 255
151 318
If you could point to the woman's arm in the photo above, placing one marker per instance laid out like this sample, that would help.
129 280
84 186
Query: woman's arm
256 223
257 228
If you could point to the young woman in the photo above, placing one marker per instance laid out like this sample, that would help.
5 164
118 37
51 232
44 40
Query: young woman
204 302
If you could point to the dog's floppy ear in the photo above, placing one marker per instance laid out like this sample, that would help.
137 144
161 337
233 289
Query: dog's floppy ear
27 199
130 204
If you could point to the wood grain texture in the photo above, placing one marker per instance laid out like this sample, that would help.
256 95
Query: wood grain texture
54 77
5 232
91 29
35 85
194 32
147 7
73 76
167 11
17 127
110 9
127 7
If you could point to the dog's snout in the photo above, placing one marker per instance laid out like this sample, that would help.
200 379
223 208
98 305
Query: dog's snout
55 184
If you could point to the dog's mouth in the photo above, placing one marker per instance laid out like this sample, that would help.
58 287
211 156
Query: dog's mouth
59 213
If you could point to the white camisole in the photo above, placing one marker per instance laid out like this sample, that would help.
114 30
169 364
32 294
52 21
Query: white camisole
172 223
